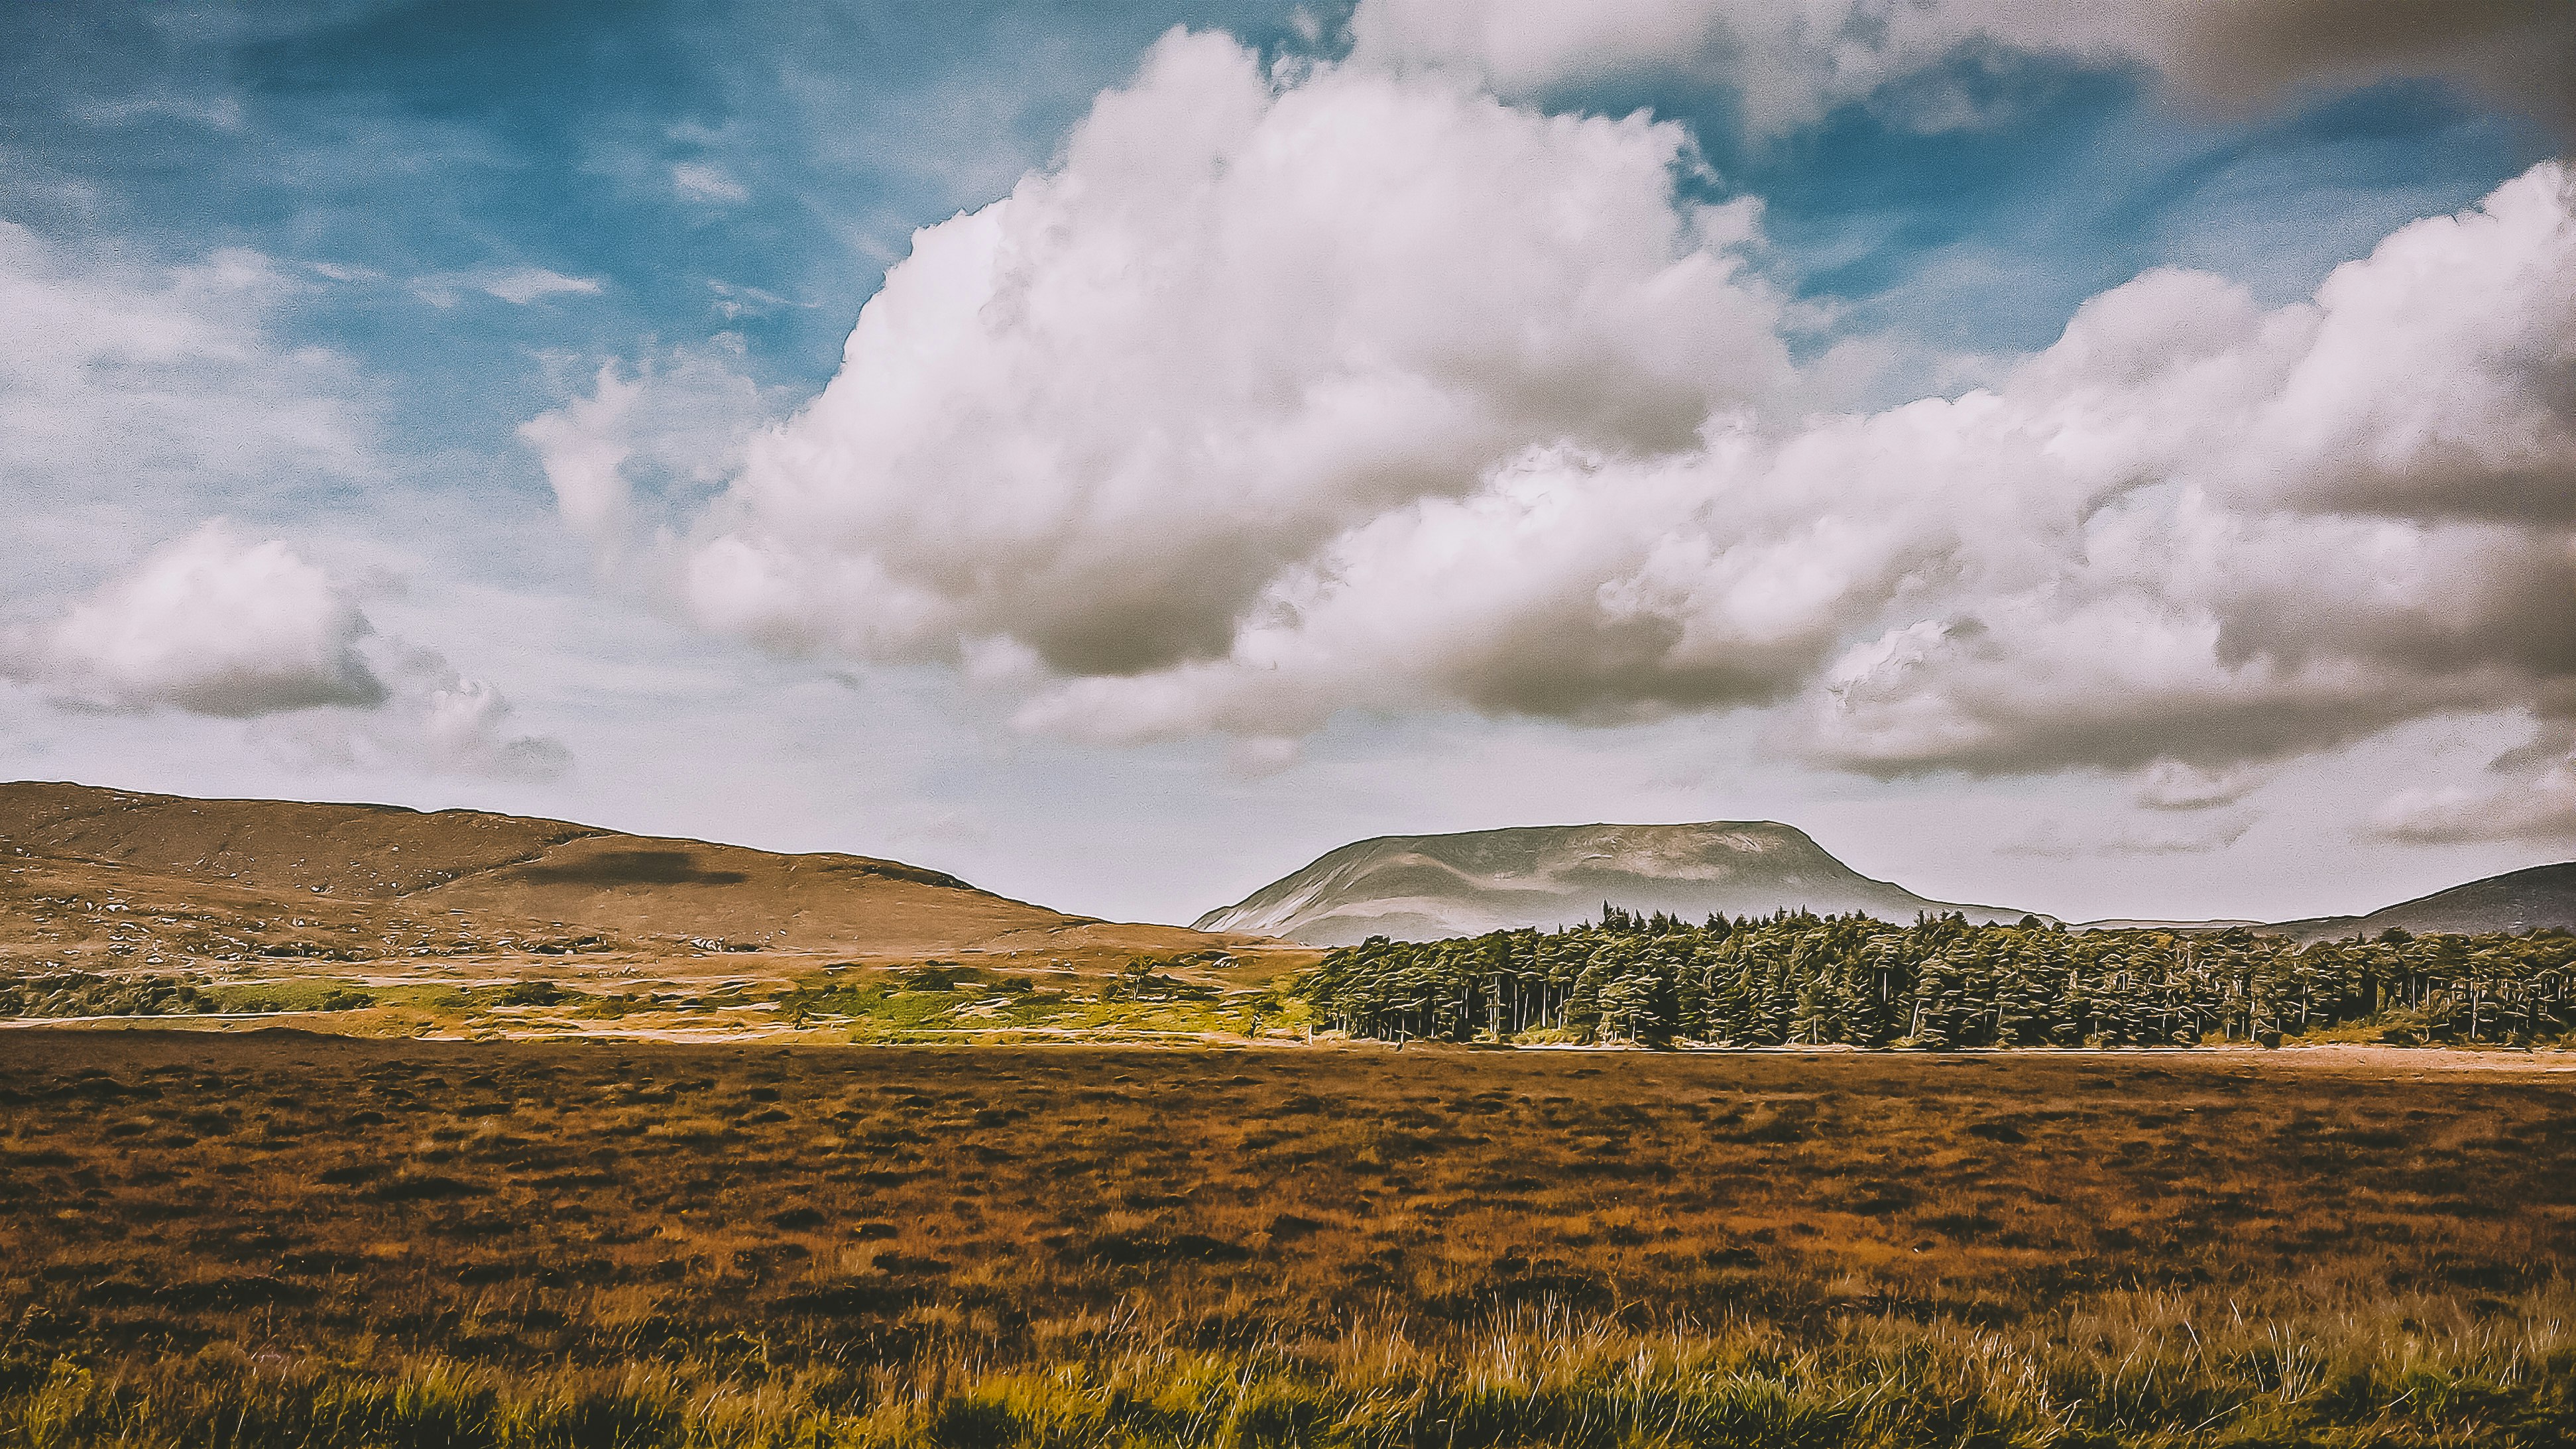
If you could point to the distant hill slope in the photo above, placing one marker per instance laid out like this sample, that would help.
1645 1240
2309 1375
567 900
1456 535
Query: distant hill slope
503 871
2522 900
1426 887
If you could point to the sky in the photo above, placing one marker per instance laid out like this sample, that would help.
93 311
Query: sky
2108 461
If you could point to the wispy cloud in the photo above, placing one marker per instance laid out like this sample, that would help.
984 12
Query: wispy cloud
2059 840
2541 808
140 388
518 286
734 301
2173 785
2528 793
676 423
707 185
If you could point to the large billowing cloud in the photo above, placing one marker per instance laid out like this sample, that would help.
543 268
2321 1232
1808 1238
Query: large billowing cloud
2191 530
1094 422
218 624
1791 60
2279 530
1349 390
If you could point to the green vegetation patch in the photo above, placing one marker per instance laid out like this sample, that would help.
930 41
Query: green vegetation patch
56 994
73 994
941 1001
293 994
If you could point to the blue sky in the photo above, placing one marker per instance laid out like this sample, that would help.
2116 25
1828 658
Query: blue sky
459 213
427 140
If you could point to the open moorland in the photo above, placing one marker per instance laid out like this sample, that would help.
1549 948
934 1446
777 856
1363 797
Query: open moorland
219 1239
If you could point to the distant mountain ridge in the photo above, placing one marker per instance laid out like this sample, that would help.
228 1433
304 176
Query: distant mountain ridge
2517 901
1432 887
1427 887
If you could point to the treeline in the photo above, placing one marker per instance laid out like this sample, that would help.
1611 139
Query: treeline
1940 983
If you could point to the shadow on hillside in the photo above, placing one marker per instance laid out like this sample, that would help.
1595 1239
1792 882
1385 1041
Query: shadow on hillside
633 867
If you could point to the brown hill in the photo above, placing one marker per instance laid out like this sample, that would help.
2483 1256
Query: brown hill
400 877
2539 898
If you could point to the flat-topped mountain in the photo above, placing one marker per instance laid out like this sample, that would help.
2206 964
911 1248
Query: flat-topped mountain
383 872
2517 901
1426 887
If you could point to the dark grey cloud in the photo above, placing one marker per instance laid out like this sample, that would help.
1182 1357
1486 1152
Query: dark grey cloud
2519 53
1792 60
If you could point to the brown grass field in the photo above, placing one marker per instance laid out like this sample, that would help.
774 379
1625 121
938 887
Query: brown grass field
275 1238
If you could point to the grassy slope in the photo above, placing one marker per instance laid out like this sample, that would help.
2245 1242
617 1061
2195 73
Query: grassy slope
108 881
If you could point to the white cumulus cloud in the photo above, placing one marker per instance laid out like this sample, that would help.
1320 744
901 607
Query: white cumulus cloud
2192 531
1245 315
215 623
2278 530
